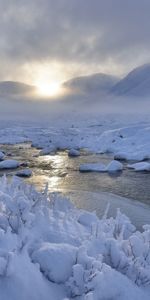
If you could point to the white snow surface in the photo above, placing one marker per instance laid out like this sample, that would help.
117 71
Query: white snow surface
55 260
127 142
51 250
128 138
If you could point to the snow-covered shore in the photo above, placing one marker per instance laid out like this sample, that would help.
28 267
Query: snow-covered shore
126 140
67 253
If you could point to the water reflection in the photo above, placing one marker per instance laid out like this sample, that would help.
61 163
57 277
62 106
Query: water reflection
62 174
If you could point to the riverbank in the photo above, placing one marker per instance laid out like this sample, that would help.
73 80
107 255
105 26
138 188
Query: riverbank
67 253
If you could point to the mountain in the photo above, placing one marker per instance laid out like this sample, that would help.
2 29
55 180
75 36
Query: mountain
13 88
91 84
136 83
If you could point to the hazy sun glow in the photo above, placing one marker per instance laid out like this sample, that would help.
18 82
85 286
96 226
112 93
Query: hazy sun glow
49 89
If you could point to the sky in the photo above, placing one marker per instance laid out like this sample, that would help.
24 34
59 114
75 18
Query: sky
54 40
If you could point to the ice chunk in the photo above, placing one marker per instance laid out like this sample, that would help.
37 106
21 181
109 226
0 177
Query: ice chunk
140 166
9 164
92 167
2 155
114 166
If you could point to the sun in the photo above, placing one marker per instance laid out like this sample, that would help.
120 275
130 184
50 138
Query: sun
49 89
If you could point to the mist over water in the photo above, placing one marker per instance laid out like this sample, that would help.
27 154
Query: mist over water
71 107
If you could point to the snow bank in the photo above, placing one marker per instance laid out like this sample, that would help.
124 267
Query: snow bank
46 241
138 156
128 143
9 164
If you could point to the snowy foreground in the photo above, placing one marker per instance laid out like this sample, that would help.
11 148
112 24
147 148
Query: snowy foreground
51 250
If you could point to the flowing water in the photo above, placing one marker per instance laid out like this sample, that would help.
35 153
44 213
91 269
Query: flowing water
91 191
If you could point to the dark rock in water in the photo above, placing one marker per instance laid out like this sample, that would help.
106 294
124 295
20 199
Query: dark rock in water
73 153
24 173
24 164
9 154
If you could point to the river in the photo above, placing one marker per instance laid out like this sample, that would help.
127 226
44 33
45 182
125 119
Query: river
128 190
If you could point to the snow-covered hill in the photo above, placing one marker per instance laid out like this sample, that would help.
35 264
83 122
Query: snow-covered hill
136 83
91 84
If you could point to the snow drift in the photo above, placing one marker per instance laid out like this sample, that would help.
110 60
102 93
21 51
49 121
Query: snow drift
48 244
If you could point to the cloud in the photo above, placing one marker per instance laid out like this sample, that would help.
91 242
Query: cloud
87 35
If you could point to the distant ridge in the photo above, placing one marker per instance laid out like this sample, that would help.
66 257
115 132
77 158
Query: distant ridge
15 88
136 83
95 83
